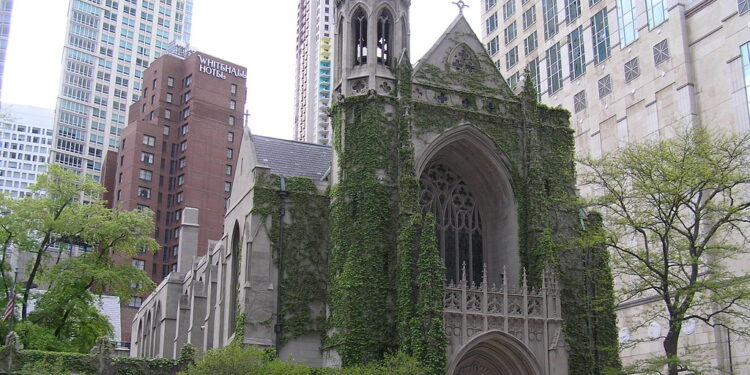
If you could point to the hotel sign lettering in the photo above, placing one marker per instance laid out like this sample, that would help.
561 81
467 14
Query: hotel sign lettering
218 69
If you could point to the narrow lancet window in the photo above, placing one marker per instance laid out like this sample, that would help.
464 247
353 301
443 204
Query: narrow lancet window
385 30
359 25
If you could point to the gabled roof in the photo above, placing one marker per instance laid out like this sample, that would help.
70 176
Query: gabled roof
460 33
292 158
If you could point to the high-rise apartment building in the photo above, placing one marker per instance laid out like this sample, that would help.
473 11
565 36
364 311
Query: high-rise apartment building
108 46
628 71
6 7
313 73
179 151
25 140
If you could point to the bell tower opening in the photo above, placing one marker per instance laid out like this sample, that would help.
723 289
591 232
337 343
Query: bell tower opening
359 34
385 33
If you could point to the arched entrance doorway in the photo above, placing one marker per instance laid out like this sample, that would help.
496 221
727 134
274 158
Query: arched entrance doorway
494 353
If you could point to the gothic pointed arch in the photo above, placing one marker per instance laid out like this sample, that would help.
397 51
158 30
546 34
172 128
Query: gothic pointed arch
359 36
465 177
384 20
235 275
494 352
463 59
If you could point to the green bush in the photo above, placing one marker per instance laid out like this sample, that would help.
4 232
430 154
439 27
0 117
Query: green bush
44 368
235 360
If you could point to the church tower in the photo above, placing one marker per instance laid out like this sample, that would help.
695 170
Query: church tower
370 38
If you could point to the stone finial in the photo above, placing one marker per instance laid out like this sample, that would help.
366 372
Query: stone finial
12 340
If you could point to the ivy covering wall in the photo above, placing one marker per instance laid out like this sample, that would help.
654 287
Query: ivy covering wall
304 283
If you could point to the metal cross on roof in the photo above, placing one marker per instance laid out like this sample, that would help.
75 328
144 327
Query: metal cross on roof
461 5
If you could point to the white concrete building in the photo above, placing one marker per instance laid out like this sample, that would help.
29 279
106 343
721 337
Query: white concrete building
25 140
628 70
313 72
108 45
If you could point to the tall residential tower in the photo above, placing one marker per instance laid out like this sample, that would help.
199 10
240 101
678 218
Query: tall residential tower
628 71
313 73
6 7
108 45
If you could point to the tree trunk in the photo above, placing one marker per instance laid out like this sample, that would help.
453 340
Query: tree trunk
670 348
32 275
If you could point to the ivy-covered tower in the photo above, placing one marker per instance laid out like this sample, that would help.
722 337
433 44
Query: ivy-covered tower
455 233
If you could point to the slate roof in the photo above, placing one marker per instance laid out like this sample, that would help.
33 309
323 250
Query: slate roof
292 158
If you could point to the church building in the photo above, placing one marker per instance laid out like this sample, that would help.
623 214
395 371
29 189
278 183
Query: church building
443 221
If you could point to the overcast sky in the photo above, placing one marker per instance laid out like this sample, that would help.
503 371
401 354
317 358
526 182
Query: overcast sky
259 35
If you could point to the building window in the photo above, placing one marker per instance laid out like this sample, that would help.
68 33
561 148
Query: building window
183 146
149 140
230 137
144 192
228 169
579 101
184 129
167 114
626 15
231 120
661 52
227 187
530 43
135 302
186 98
745 56
509 8
743 6
511 58
600 35
549 10
491 23
554 70
188 80
632 70
145 175
576 53
169 97
529 17
605 86
147 158
179 197
513 80
180 180
510 32
181 163
186 113
489 4
533 68
232 104
230 152
493 46
233 89
572 10
170 82
166 131
657 12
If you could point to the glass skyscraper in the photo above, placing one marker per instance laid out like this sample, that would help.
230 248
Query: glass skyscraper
108 45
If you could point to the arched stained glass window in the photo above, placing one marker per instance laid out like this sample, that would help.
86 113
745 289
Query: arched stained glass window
458 222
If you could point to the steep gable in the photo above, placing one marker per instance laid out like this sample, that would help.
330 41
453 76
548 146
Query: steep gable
458 61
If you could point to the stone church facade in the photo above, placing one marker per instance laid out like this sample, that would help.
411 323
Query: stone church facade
522 287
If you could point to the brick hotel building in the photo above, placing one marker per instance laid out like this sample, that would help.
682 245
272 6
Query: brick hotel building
179 150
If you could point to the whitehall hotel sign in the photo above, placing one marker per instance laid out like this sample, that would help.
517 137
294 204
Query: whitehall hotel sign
218 69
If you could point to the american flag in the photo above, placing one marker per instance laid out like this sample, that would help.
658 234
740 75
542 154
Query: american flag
10 306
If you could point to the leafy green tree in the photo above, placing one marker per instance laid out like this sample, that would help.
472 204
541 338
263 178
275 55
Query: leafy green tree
66 207
677 213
